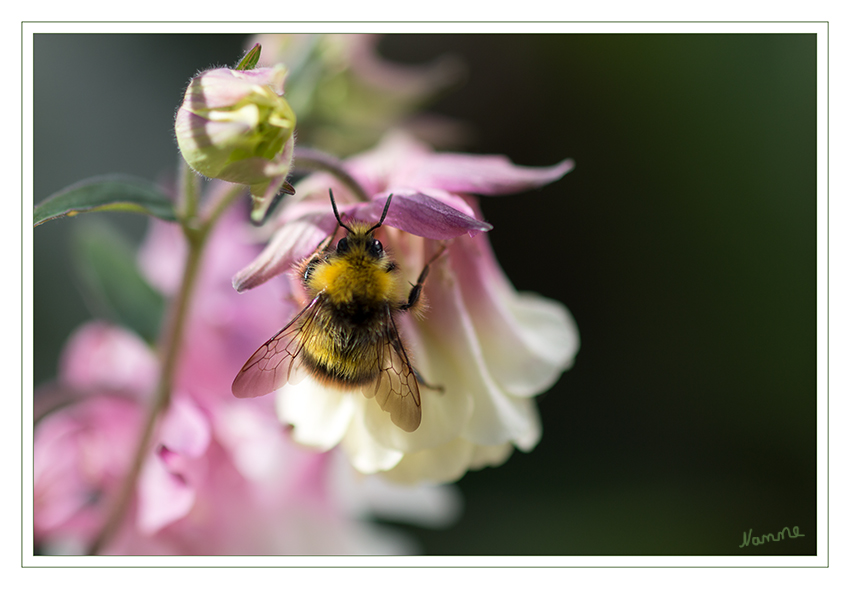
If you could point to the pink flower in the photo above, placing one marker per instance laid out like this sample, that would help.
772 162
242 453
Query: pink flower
489 347
107 360
80 454
223 476
359 53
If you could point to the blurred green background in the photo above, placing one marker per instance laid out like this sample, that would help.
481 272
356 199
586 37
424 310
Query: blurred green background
684 243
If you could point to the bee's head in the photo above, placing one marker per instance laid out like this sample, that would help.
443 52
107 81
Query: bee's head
360 237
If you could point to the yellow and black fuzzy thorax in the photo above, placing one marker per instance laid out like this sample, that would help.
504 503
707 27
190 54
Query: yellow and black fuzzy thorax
356 284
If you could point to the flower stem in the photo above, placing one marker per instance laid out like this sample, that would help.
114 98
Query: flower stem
188 191
313 159
217 207
196 232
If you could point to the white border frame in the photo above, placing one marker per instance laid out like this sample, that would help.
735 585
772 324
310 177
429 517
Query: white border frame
819 28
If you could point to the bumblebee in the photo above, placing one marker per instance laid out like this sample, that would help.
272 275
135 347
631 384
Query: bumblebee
346 337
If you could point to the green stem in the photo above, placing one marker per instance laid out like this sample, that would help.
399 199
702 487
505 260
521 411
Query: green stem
188 191
313 159
196 232
218 207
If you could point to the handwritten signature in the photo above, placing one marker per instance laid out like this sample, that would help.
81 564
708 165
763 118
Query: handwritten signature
765 538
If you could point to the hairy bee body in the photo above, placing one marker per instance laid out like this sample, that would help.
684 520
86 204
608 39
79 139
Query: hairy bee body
346 336
356 291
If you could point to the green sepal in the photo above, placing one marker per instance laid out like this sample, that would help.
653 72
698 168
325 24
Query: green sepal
261 211
250 60
105 262
106 193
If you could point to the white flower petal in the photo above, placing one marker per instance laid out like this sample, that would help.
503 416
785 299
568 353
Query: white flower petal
517 418
495 418
444 464
545 340
490 455
361 496
434 506
365 452
445 412
527 341
319 415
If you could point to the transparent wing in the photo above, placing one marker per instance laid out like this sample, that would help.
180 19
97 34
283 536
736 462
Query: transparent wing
396 389
277 361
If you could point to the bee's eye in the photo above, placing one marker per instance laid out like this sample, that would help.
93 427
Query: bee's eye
376 249
342 246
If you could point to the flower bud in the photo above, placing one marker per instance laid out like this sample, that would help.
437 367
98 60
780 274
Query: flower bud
236 126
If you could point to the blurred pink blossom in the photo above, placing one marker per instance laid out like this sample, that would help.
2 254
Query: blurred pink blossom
80 454
106 360
223 476
347 95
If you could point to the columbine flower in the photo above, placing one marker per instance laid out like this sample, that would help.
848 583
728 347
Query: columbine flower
236 126
223 477
489 347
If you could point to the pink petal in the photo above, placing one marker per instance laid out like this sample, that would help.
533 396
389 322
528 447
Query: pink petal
223 87
396 78
163 254
388 165
103 358
165 493
483 174
164 497
185 429
294 241
80 454
256 442
423 215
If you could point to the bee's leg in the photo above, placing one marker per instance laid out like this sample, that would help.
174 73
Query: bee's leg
325 244
426 384
413 298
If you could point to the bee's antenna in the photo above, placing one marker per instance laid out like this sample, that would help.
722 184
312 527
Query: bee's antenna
383 215
336 213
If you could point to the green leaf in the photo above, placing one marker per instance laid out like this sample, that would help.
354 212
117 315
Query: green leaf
112 285
250 60
106 193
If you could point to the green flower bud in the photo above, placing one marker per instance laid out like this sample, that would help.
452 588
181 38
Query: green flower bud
235 125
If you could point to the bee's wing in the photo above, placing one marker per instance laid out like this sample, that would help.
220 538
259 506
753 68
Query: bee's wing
277 361
396 389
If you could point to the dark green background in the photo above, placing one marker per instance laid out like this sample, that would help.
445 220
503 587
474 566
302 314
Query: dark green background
684 243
